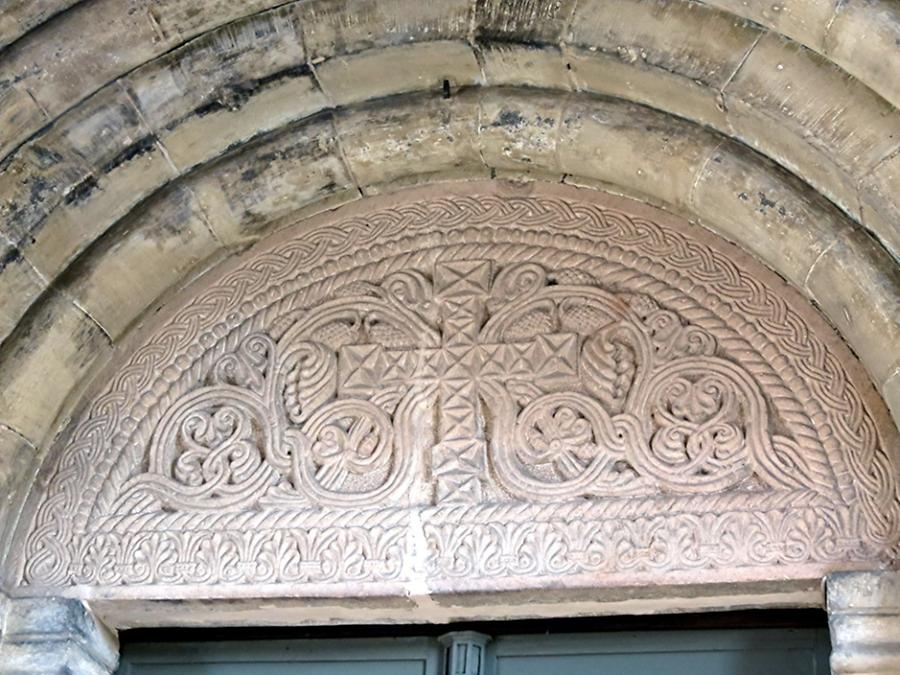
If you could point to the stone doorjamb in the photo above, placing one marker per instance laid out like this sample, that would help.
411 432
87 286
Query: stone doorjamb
53 635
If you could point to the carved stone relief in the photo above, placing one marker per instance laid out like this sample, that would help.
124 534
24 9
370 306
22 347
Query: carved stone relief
468 390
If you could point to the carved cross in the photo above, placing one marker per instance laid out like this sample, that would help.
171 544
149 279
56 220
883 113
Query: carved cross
454 371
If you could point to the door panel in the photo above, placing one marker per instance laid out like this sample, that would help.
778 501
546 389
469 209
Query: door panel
407 656
727 652
688 652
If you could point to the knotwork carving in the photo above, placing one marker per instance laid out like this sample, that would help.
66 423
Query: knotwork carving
468 388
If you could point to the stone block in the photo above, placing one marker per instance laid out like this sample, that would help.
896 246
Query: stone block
19 116
608 74
65 187
18 18
429 134
334 27
780 86
525 65
659 53
376 73
858 286
218 70
671 36
17 459
94 204
644 152
805 21
274 177
198 139
20 285
227 86
520 133
515 21
99 159
879 193
766 211
43 362
864 39
179 20
156 248
83 58
105 130
33 182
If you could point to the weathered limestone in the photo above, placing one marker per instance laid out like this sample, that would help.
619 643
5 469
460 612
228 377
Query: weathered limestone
543 66
862 39
381 143
660 53
805 21
54 636
864 620
168 240
746 198
226 87
522 133
56 346
350 26
658 158
383 72
273 178
650 52
775 103
21 285
882 213
841 286
17 469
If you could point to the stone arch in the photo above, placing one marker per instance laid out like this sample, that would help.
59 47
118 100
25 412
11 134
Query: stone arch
132 167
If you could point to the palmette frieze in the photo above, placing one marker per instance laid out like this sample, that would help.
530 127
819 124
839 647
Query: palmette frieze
491 387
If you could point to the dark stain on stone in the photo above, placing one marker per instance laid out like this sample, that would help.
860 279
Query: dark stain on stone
12 255
37 190
765 201
288 73
509 118
45 156
81 191
233 96
143 146
249 174
210 107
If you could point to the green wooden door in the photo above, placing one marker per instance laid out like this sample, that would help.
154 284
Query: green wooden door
727 652
402 656
690 652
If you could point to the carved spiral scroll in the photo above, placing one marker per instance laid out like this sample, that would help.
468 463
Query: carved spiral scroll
209 452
